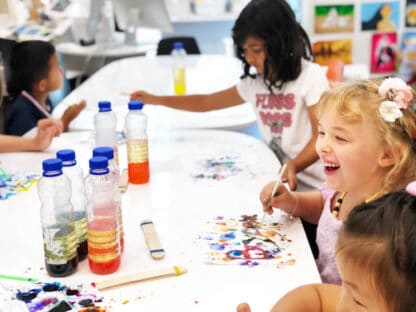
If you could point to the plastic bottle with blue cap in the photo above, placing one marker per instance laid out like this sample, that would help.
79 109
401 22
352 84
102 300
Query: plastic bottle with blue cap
137 144
57 218
102 217
78 200
108 152
105 126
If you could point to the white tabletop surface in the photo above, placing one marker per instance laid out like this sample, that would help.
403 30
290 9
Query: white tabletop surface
179 206
204 74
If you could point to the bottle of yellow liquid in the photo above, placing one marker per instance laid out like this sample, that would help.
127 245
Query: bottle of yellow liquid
179 73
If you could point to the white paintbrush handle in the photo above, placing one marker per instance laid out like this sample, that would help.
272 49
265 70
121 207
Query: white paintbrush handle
140 277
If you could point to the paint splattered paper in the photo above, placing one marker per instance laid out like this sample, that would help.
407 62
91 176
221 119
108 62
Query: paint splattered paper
245 241
217 168
50 297
12 184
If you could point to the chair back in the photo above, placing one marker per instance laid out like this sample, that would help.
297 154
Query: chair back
190 45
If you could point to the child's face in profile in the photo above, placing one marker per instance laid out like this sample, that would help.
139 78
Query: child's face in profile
54 79
357 291
255 53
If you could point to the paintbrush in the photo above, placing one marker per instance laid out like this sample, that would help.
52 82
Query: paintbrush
5 174
276 185
19 278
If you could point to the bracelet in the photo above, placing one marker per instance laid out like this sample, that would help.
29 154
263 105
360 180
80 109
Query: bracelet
294 209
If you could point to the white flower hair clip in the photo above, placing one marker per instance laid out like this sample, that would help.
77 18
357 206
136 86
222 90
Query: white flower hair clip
399 96
390 111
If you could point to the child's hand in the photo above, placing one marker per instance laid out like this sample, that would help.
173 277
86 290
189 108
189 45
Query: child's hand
71 113
290 175
284 199
142 96
47 130
55 125
243 307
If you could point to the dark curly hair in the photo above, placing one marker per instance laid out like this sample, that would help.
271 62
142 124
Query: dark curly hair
379 240
285 39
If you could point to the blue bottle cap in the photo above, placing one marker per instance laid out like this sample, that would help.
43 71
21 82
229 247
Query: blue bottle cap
104 106
98 162
52 167
66 154
135 105
178 45
105 151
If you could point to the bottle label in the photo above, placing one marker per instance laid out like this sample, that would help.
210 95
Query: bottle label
60 244
137 151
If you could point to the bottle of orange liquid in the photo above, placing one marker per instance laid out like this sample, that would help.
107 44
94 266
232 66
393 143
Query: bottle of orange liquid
108 152
137 144
103 232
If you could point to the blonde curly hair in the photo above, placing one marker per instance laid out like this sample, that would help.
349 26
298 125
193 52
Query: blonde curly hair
353 100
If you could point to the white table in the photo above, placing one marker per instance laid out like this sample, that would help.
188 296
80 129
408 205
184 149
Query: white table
88 59
179 207
205 74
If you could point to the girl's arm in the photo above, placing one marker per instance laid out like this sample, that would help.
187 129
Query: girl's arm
47 129
306 156
310 298
307 205
194 103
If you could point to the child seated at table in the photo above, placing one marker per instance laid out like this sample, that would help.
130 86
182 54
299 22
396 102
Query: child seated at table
34 72
376 258
366 141
47 129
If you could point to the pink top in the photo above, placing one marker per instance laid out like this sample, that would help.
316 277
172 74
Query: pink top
326 238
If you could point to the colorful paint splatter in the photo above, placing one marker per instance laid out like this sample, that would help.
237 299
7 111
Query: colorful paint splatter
51 297
12 184
218 168
247 242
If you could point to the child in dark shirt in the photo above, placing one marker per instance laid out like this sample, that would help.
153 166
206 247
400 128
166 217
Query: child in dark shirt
34 72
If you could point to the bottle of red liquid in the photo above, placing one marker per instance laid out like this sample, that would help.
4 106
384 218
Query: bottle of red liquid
137 144
103 232
108 152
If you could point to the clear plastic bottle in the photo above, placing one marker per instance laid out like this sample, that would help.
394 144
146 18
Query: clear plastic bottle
102 217
105 125
179 76
78 199
57 218
137 144
108 152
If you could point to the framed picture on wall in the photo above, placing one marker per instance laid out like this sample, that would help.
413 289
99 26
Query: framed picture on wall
410 13
380 16
383 52
324 50
334 18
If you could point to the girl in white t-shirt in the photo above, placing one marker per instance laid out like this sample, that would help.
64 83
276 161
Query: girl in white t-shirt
283 88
